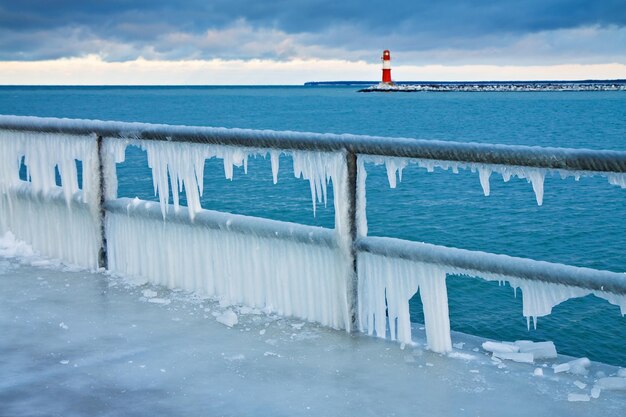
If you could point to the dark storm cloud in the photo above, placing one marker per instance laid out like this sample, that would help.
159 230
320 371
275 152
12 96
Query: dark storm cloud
120 30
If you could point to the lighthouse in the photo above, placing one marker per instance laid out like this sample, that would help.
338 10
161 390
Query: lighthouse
387 67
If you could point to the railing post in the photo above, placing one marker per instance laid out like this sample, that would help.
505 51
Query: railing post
100 200
353 287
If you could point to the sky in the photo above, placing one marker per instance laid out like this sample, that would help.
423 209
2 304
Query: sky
218 42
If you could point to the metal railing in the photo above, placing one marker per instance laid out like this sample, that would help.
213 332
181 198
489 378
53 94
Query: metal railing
352 146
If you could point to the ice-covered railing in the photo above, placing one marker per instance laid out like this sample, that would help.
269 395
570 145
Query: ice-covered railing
341 278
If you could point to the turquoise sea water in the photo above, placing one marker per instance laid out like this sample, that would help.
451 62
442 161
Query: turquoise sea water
580 223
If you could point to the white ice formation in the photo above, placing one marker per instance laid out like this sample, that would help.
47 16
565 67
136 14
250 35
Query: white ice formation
280 275
235 258
58 221
309 282
535 176
524 351
385 287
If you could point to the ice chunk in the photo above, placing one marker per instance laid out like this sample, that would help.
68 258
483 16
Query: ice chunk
515 356
228 318
580 384
577 366
149 293
11 247
538 372
163 301
595 391
540 350
461 355
577 397
563 367
612 383
621 372
496 347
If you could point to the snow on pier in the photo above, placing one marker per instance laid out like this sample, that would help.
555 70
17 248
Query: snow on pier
79 343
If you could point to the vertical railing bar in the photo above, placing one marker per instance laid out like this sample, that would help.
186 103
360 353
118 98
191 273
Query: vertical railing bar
102 253
353 288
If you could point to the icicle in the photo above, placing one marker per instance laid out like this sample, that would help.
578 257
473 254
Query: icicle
114 152
385 287
617 179
43 152
434 295
615 299
538 298
361 200
317 167
283 276
176 166
275 161
536 177
484 174
233 157
57 221
394 165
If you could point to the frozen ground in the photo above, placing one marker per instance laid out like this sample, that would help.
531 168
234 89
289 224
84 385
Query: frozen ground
80 343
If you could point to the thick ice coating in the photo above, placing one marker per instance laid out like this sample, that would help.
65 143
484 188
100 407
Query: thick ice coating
318 168
51 227
283 276
539 298
175 166
385 287
58 221
178 166
43 153
535 176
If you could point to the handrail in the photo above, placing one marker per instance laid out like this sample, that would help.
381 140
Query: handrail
345 237
227 222
469 152
469 262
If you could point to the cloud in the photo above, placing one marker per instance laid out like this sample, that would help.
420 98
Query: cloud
422 31
92 70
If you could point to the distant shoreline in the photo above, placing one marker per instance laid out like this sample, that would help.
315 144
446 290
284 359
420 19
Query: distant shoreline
516 82
477 86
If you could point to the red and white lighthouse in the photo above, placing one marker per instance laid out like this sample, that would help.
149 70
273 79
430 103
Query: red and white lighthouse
386 67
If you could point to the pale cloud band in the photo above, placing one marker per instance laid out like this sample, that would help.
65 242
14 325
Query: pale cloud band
92 70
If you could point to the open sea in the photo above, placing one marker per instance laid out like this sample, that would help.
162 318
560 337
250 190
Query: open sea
581 223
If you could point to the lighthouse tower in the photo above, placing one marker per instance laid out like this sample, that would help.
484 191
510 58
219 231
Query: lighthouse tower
386 67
